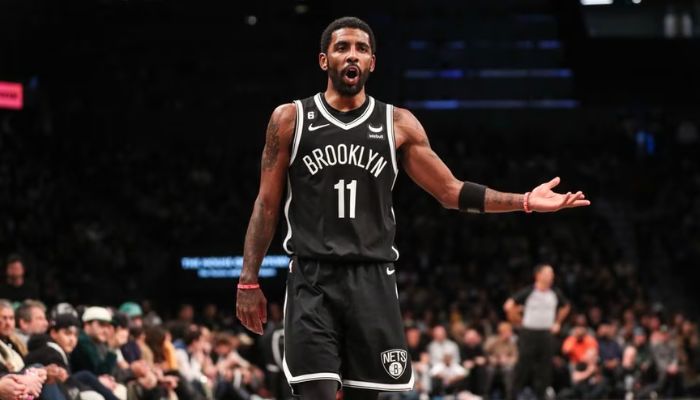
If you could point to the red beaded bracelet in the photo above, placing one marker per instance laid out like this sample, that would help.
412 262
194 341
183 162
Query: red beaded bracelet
248 286
526 203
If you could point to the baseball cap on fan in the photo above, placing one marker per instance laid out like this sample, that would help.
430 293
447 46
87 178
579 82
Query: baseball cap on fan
97 314
63 321
131 309
62 308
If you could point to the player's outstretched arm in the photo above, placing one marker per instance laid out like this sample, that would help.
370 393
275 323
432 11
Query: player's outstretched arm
251 305
427 169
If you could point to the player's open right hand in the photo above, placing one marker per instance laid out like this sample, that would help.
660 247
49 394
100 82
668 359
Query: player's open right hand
251 309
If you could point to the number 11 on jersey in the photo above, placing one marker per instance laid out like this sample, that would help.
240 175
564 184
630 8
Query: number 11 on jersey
340 187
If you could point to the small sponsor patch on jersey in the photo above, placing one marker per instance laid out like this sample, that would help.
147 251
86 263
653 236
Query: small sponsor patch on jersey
375 136
395 362
376 129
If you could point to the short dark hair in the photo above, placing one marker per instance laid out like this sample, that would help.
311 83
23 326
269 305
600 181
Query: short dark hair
539 267
193 334
346 22
13 258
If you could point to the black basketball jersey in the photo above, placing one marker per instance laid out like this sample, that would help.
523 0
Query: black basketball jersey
339 183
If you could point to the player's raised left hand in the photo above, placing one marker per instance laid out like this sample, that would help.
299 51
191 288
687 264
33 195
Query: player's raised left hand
543 199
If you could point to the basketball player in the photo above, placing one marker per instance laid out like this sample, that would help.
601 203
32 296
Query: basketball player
337 154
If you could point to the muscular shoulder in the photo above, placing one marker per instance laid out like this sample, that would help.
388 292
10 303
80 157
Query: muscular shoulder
279 134
407 128
284 116
282 122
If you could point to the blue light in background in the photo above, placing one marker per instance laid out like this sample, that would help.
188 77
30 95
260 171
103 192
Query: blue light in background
437 104
417 44
488 73
549 44
232 266
453 104
451 74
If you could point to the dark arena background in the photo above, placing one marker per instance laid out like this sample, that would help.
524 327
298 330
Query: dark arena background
131 133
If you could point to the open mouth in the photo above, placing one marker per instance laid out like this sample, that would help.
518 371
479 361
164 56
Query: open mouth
352 73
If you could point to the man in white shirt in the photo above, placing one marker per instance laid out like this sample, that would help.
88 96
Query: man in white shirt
442 345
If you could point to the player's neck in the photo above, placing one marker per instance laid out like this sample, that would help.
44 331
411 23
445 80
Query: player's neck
344 103
541 287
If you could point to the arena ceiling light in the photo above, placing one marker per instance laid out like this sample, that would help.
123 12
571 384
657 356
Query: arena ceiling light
596 2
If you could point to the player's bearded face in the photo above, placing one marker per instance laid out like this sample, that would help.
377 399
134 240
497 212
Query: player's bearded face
348 79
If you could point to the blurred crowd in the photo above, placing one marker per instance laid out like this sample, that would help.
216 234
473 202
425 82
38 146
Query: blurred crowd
636 355
128 352
103 218
90 352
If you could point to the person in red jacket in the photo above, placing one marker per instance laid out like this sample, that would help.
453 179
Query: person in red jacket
578 344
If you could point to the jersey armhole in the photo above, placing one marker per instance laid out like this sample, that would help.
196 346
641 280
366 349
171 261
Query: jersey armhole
392 140
298 126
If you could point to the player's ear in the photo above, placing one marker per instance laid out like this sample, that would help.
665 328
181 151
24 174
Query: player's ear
323 61
372 63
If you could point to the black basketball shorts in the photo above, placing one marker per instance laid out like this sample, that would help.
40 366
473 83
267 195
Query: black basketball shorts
342 322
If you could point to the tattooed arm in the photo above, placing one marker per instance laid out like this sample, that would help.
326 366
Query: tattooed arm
495 201
427 169
251 306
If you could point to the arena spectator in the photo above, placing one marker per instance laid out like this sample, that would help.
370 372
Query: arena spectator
689 341
595 317
11 348
150 317
31 319
586 378
237 376
128 320
474 361
186 313
191 361
447 376
134 312
92 352
160 343
53 351
16 287
211 318
417 343
502 353
117 337
665 355
642 364
577 345
441 345
610 353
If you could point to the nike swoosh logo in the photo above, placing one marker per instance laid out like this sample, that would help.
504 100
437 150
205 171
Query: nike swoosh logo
313 128
376 130
390 271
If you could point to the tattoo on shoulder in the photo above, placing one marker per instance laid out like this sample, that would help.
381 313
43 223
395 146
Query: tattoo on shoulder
272 144
397 114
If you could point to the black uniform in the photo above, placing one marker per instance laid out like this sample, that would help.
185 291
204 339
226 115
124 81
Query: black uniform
342 317
536 344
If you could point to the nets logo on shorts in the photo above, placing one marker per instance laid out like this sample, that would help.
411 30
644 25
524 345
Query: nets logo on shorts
394 362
